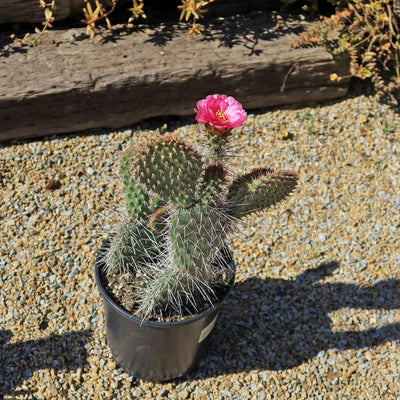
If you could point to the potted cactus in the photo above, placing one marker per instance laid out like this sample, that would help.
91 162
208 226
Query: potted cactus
168 259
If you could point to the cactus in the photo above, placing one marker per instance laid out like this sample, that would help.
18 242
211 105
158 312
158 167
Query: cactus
181 208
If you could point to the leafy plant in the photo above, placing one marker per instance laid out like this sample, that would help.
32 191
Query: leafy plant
93 16
369 32
193 9
47 23
181 206
136 11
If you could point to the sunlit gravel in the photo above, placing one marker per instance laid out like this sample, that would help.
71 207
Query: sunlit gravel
315 313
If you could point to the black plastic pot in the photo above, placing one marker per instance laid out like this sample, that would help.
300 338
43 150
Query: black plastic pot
153 350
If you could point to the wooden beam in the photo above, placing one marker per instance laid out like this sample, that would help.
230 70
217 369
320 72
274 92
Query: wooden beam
122 78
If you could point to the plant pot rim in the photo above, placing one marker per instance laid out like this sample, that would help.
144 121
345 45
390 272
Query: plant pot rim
150 323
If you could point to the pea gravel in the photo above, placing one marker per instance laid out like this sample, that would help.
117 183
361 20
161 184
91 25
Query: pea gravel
315 313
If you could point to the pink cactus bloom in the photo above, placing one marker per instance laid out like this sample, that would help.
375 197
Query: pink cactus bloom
220 113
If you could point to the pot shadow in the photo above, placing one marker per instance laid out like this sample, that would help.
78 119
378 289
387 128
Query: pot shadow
278 324
19 360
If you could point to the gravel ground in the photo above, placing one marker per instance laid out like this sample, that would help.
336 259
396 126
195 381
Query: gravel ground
315 313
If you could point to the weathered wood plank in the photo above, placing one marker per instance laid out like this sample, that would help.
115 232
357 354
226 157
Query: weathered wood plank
122 79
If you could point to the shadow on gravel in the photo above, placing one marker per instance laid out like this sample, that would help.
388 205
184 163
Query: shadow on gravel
278 324
19 360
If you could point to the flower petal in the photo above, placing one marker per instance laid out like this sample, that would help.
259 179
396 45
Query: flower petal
221 111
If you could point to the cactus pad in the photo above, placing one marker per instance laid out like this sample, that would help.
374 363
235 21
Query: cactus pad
167 167
259 190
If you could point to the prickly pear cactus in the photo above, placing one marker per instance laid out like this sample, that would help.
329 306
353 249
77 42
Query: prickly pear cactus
181 208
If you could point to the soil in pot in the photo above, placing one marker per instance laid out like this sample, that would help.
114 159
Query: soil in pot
119 286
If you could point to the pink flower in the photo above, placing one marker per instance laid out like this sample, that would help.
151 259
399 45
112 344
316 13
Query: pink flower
220 113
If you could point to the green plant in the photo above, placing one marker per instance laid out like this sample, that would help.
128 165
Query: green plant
310 118
369 32
47 23
181 206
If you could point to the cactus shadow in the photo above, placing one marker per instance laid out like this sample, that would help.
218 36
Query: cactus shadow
19 360
278 324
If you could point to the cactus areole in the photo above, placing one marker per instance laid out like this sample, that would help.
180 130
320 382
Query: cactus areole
166 257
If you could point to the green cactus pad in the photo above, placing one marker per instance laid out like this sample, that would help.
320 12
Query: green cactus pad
214 183
136 195
188 268
168 167
133 246
137 201
196 235
259 190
